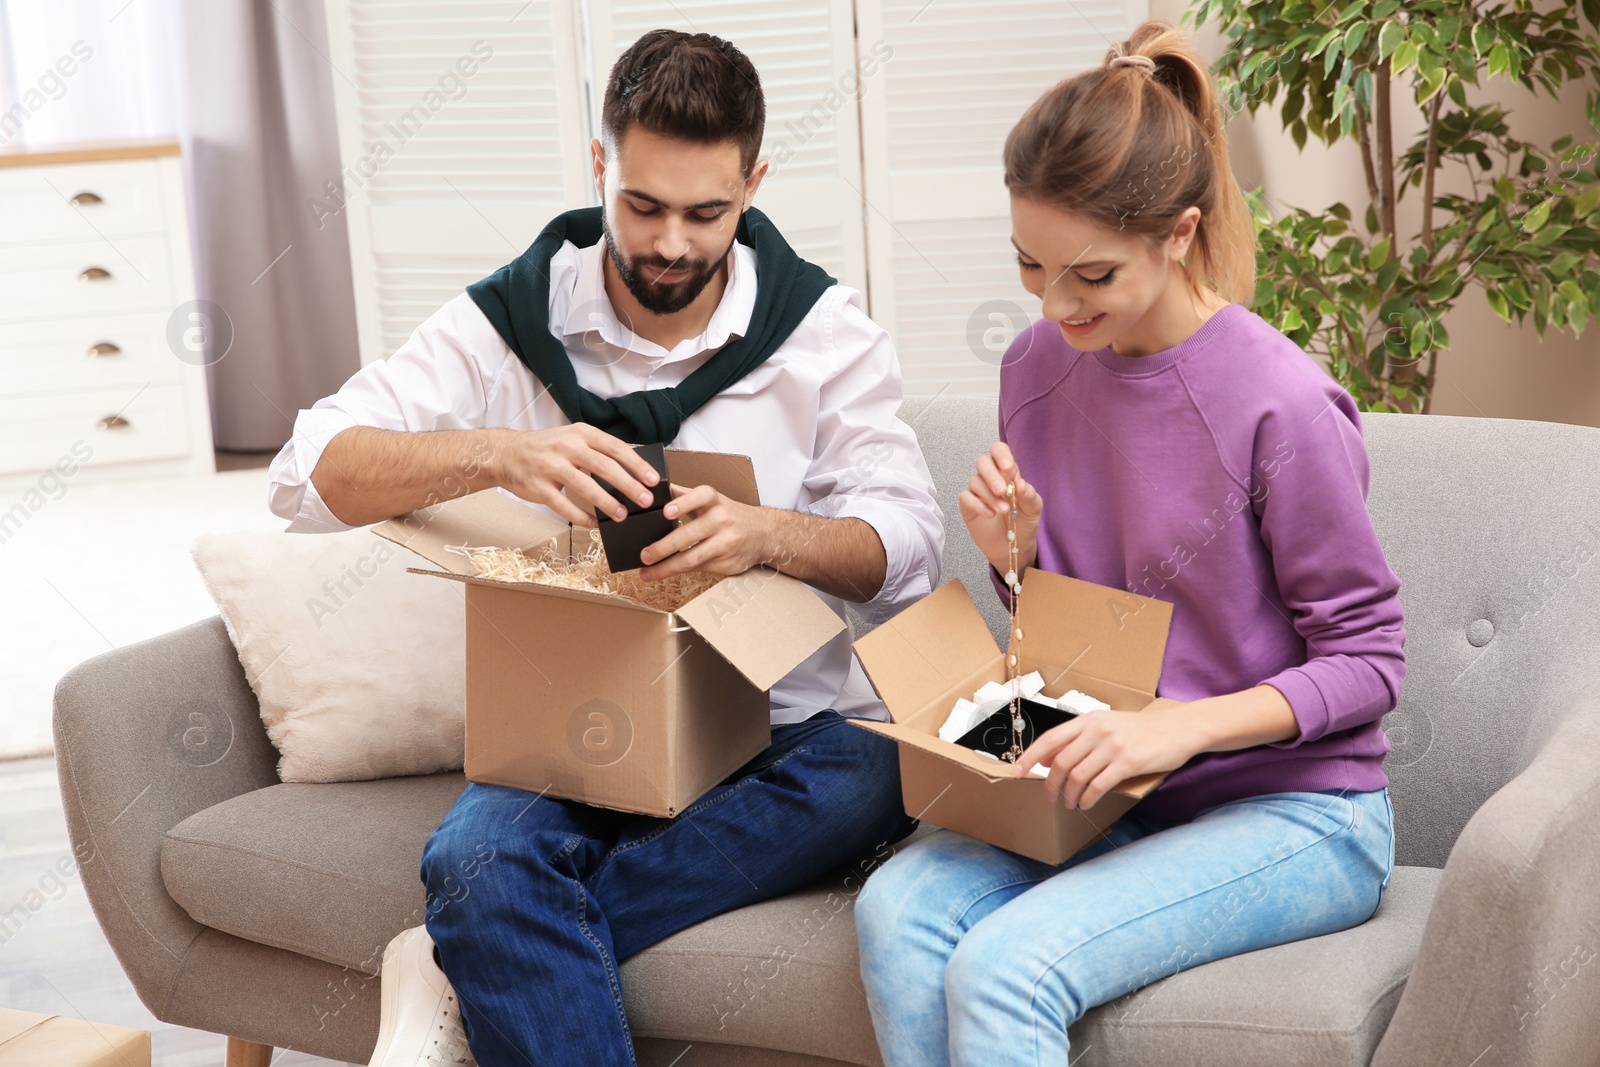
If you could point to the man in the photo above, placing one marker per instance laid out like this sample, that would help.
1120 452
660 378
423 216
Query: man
674 313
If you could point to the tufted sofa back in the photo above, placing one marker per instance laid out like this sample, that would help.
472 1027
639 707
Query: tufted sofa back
1493 526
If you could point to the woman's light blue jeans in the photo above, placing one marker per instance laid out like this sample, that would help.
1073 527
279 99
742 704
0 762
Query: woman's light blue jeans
975 955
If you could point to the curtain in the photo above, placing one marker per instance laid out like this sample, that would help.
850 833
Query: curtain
261 143
246 87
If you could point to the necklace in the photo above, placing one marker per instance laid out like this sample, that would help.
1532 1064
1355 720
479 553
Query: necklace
1014 584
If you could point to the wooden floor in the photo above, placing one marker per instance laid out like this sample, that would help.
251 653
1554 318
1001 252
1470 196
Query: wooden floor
58 962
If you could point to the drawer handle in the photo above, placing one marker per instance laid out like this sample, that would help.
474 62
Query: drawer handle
113 422
94 274
84 198
104 348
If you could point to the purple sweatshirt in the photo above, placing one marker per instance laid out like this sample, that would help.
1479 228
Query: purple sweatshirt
1226 475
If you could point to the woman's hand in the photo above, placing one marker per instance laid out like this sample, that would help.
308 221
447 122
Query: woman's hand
1094 753
984 505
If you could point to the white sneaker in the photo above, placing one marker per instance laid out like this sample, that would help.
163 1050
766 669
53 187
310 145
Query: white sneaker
420 1020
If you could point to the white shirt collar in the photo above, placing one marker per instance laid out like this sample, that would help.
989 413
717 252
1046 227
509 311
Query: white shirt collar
589 308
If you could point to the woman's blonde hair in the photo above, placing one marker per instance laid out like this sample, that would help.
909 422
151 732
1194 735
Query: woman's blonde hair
1130 144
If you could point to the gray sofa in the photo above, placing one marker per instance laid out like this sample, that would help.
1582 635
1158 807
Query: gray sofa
259 910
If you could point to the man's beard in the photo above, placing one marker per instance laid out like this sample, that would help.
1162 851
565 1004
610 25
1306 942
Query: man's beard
662 299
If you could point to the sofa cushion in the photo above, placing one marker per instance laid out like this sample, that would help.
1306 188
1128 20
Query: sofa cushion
1325 1000
332 871
329 870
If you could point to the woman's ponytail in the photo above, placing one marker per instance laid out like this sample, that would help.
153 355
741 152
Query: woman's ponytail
1132 143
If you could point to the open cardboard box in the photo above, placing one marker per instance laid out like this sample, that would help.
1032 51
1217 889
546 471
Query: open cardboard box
1105 642
598 698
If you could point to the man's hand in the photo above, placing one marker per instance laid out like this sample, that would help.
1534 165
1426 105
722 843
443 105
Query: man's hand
717 535
367 475
537 465
841 557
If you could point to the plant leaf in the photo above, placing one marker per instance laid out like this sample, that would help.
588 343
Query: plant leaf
1482 38
1391 35
1418 337
1499 58
1378 255
1497 303
1536 216
1353 38
1387 274
1324 41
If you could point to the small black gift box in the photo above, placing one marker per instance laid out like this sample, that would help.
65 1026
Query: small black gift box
645 524
993 735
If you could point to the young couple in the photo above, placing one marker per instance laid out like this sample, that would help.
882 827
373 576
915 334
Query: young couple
1159 436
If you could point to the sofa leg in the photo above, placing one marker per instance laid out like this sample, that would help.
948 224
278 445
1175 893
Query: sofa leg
243 1053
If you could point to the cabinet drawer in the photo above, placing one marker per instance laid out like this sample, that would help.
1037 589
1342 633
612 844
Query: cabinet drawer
84 278
37 431
72 355
114 199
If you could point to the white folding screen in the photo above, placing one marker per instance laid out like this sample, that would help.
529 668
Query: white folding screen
462 132
944 276
805 54
884 125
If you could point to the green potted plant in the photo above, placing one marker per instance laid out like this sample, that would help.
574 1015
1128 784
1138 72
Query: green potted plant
1371 303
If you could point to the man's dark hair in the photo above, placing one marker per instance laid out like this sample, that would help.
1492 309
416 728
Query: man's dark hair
692 86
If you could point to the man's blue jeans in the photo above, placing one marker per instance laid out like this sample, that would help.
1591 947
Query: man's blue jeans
974 955
534 901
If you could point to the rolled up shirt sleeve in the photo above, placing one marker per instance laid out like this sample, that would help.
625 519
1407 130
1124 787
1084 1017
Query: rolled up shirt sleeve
437 380
290 492
1330 569
866 462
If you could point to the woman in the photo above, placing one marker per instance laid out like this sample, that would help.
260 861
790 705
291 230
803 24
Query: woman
1175 444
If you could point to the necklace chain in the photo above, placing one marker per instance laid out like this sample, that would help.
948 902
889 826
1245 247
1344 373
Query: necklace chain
1014 586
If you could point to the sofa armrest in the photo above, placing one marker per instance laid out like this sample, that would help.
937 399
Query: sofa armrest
1510 957
146 736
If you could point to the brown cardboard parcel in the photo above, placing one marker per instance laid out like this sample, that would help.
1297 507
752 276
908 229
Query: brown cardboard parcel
28 1039
1102 641
601 699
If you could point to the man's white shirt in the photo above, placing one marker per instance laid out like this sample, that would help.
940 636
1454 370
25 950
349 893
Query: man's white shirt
818 419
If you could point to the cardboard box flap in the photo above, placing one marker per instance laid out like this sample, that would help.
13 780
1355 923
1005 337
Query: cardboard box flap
763 622
16 1023
1140 787
930 743
732 476
915 657
485 518
1109 634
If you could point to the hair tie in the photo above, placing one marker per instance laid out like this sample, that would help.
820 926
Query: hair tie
1136 61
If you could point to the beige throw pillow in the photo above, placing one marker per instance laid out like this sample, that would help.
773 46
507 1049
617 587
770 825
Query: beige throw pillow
359 666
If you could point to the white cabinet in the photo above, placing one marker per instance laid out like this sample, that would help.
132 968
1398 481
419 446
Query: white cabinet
94 273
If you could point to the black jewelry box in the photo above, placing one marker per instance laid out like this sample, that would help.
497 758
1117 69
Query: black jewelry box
993 735
645 524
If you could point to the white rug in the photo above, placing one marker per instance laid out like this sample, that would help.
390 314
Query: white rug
105 565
